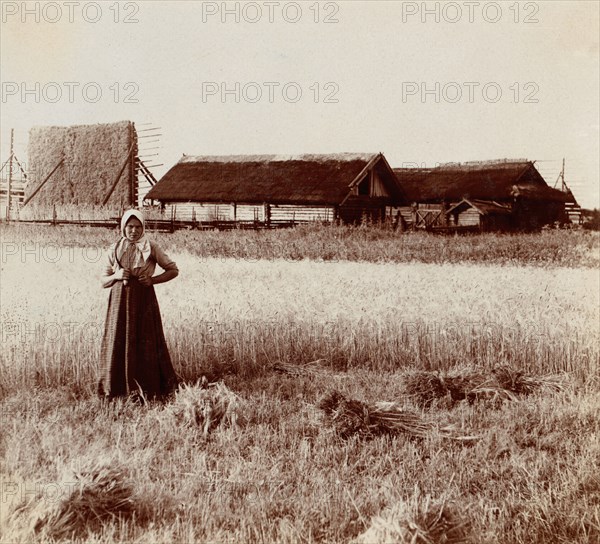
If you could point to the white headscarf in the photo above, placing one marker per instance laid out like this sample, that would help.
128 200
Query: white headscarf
142 245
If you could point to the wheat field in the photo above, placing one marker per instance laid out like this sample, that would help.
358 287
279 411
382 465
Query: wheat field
278 472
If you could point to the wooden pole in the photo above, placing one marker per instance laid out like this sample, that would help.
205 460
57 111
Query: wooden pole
133 170
106 198
5 163
43 182
20 167
10 170
149 175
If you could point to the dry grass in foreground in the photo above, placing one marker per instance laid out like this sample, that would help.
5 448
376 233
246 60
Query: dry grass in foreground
419 521
283 476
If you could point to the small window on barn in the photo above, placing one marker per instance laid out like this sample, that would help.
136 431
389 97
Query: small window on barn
363 186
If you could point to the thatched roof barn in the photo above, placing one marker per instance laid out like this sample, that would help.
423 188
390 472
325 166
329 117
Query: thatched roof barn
487 180
274 188
516 184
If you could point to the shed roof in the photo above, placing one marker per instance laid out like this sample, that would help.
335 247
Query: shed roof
302 179
485 180
483 207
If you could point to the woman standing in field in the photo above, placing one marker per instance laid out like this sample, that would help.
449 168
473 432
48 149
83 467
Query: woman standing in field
134 358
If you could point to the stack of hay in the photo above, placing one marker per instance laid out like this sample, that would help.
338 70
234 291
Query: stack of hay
93 157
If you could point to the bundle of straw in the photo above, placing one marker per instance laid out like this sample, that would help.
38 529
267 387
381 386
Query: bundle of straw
350 417
206 406
425 387
418 522
461 385
520 383
90 497
505 383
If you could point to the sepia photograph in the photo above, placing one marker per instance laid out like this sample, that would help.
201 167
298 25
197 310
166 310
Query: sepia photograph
300 272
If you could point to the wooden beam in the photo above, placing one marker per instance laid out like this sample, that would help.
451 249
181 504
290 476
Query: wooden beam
6 162
133 181
106 198
148 175
10 167
20 166
43 183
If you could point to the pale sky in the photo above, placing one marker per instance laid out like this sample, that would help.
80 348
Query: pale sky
462 81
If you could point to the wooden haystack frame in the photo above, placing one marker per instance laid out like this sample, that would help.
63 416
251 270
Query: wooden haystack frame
517 185
94 165
277 189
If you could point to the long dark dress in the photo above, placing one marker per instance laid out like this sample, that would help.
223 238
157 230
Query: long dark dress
134 357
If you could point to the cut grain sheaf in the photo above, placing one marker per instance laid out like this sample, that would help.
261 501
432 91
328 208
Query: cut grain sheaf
503 383
350 417
93 156
206 406
97 493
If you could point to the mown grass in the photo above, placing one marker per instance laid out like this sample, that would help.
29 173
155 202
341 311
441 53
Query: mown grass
283 476
572 248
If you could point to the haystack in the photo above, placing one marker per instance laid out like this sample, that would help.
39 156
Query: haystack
418 522
206 406
93 156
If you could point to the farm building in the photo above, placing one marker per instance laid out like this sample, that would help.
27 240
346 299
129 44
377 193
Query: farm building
279 189
491 195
